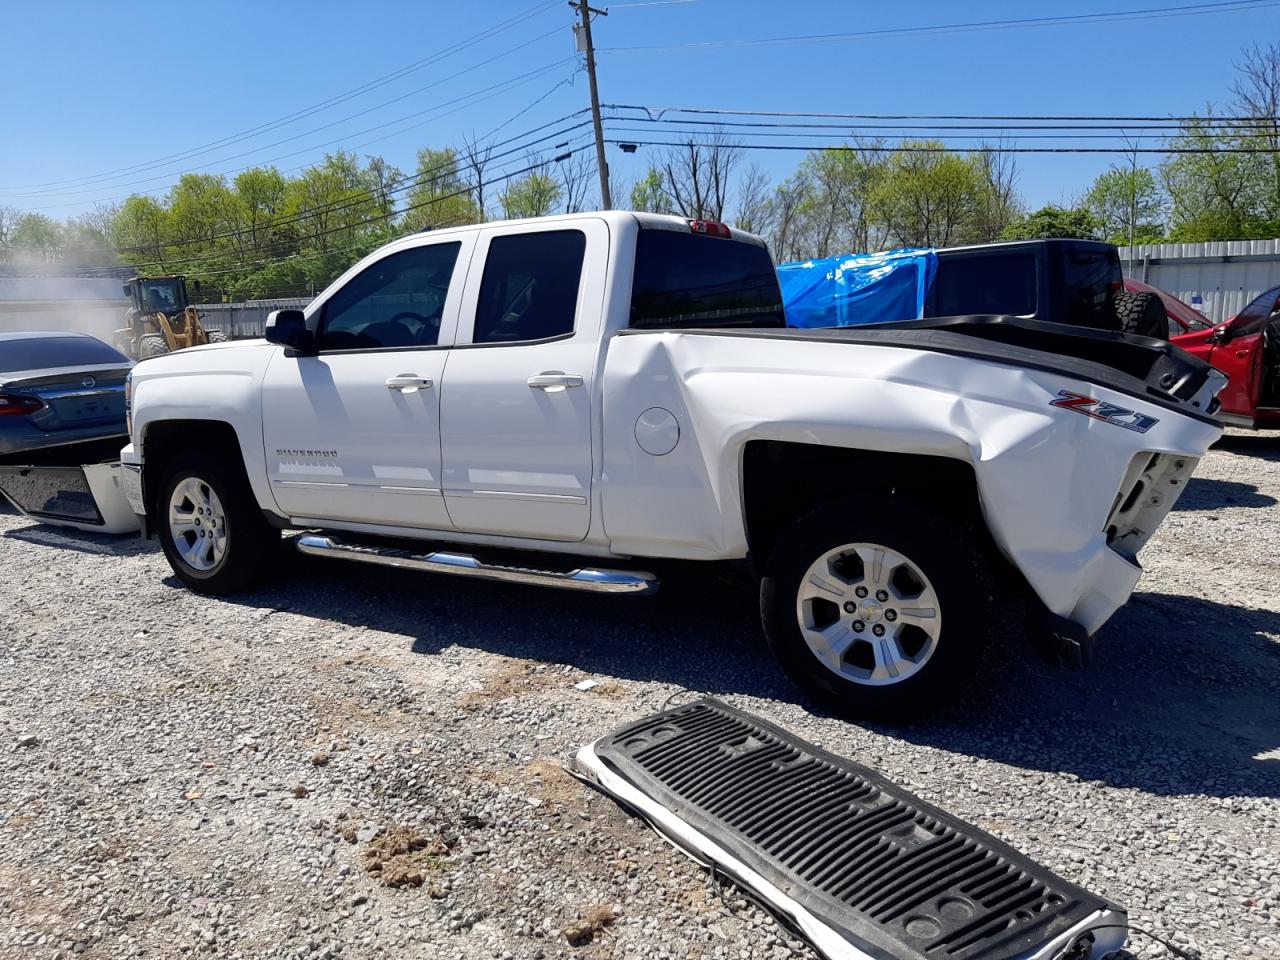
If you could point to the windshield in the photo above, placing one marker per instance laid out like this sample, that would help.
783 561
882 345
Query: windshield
43 353
688 280
161 296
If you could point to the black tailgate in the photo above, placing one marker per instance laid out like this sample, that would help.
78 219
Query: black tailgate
894 876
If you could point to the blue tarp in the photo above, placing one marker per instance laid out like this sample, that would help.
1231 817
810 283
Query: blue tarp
858 288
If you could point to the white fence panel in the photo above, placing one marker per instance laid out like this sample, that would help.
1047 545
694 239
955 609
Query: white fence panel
241 321
1218 278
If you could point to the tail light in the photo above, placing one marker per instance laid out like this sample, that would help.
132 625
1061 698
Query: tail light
710 228
15 406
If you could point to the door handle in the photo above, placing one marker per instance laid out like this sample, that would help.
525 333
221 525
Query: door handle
409 383
555 382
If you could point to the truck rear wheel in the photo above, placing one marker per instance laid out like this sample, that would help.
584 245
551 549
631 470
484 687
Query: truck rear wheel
876 608
211 530
1143 314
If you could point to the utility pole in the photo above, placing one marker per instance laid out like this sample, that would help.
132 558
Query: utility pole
584 43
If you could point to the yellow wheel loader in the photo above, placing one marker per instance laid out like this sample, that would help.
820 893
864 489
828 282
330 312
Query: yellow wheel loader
160 319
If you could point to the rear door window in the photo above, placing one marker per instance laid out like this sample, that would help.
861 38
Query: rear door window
530 287
685 280
1003 283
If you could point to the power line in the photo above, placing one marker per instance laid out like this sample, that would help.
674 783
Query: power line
1147 13
340 120
374 219
926 149
855 131
1263 123
464 102
657 112
503 25
424 178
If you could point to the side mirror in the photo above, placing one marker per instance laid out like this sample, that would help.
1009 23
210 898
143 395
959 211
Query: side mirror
196 285
128 290
1221 333
289 329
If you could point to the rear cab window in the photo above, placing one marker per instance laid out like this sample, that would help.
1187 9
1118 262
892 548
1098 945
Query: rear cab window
689 281
985 283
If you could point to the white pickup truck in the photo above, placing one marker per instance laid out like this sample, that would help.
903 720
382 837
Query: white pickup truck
566 401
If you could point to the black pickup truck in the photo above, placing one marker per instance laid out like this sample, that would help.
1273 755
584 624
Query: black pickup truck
1076 282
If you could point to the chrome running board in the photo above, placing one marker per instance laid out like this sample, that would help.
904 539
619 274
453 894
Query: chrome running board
461 564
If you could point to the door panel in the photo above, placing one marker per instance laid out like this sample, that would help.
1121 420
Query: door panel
353 433
516 414
1239 354
341 445
1241 360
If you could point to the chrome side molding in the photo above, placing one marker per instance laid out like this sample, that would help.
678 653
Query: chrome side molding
589 579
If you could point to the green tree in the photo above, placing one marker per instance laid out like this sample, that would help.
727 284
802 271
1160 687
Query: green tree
927 198
259 203
441 195
142 226
533 195
1053 221
836 212
36 237
1127 204
1229 188
1214 192
647 194
383 180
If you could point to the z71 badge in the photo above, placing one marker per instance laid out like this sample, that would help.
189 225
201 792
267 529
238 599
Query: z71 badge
1104 411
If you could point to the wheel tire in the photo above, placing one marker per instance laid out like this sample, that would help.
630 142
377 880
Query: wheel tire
1143 314
937 547
249 543
218 336
152 345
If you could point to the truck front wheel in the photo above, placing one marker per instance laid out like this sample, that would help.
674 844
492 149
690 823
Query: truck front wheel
210 527
876 608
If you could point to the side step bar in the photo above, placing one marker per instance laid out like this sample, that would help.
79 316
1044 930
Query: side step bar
440 561
856 865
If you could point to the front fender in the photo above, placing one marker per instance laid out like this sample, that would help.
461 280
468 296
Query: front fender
209 384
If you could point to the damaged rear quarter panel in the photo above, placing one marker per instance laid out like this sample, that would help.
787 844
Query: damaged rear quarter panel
1047 476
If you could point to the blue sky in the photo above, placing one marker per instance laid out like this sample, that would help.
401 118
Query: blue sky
94 87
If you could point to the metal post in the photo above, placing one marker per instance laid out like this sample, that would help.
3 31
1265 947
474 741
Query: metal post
585 11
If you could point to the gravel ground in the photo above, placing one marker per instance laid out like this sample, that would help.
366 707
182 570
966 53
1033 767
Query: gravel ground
363 763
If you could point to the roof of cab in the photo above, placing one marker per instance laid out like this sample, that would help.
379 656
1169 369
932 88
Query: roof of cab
658 221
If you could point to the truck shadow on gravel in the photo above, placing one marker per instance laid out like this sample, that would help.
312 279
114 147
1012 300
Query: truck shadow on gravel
1184 697
1205 493
1264 446
81 541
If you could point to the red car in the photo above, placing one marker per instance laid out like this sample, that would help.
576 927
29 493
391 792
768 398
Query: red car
1246 348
